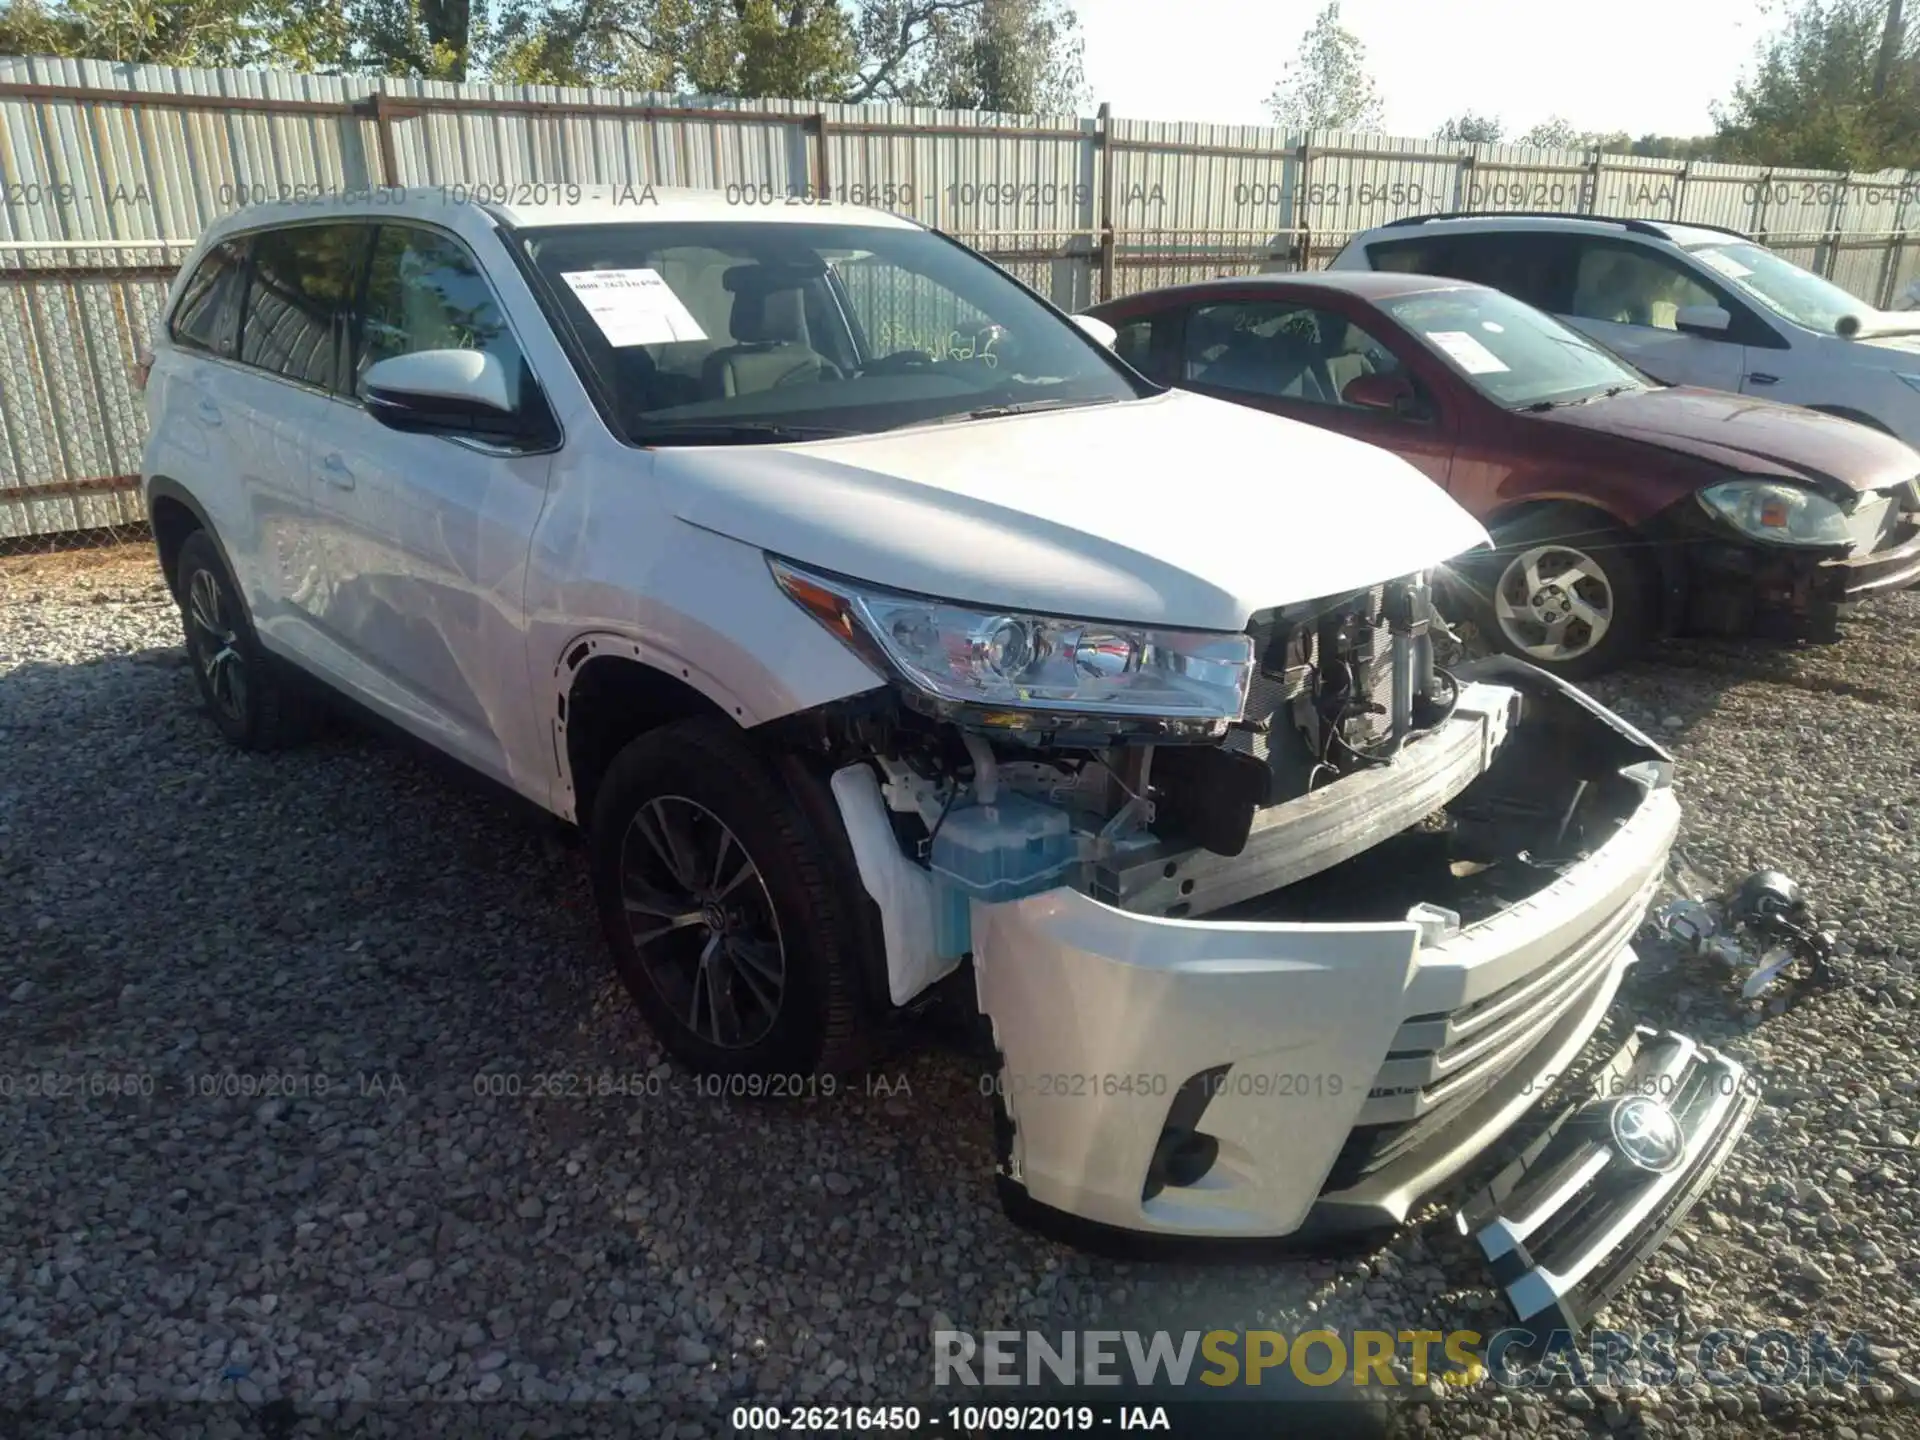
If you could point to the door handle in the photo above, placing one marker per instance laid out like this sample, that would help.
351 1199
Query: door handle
336 471
1760 377
209 412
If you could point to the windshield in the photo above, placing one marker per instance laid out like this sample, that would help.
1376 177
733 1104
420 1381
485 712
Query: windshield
733 331
1509 351
1780 285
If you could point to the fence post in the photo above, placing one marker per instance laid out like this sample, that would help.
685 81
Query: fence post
1680 191
1836 213
1897 246
1592 197
1301 240
1762 204
1103 137
1463 183
383 134
822 164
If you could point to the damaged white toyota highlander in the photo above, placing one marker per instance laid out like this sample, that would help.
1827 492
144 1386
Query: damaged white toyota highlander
881 628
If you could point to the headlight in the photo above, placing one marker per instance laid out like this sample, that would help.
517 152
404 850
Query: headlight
1780 514
1032 665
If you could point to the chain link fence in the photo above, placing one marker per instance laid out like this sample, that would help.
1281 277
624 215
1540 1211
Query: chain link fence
108 172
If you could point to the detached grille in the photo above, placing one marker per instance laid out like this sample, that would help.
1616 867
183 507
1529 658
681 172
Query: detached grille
1564 1226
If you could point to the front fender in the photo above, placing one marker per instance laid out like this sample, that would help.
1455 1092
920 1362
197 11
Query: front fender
710 614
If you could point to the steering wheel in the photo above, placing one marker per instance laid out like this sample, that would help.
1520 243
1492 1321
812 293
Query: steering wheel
827 371
899 362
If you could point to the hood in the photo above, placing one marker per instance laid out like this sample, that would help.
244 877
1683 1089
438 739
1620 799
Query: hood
1753 437
1178 510
1897 346
1875 324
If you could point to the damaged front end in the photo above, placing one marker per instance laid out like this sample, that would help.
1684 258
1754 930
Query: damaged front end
1729 576
1285 974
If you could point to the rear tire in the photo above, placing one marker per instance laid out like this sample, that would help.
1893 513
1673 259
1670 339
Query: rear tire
1564 588
720 907
247 692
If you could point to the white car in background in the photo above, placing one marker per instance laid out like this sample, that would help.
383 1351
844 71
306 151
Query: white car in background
1688 304
873 618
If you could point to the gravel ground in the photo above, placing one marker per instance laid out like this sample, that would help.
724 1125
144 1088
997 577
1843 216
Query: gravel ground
173 914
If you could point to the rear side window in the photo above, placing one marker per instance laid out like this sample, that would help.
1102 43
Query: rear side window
1133 342
299 296
1144 344
1409 257
1527 267
1281 349
204 318
426 292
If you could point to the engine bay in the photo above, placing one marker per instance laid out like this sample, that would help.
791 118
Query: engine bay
1342 685
1362 782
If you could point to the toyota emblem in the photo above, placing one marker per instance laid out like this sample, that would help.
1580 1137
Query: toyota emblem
1647 1134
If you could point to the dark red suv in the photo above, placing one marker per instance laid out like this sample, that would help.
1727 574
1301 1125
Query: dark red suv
1621 507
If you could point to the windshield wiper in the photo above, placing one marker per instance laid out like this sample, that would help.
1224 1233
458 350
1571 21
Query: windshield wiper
743 432
1022 407
1540 406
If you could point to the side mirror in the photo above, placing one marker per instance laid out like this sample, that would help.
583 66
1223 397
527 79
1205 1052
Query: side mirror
1392 393
1708 320
463 392
1098 329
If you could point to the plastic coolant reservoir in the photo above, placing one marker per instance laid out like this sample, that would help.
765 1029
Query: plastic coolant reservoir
1016 846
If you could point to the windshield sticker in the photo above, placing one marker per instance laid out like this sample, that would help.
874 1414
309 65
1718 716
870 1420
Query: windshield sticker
1724 263
633 307
1467 352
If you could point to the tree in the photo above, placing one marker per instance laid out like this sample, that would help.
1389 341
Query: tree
1811 100
165 32
1469 128
1653 147
1018 55
799 49
1328 87
1013 55
1553 133
432 38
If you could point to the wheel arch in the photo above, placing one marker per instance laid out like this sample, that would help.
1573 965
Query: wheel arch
174 514
1859 417
607 692
1665 567
1509 511
610 693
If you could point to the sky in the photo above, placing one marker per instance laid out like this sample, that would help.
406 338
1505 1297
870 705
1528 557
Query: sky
1635 65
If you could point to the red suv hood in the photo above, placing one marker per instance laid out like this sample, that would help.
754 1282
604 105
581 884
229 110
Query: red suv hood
1753 437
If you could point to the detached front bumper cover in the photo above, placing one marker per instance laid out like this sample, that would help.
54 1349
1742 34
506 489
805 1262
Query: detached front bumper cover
1608 1180
1894 567
1208 1077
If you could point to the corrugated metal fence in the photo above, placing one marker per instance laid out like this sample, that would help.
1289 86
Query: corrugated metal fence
108 172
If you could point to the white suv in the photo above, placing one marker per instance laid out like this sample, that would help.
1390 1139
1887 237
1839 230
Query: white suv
871 617
1689 304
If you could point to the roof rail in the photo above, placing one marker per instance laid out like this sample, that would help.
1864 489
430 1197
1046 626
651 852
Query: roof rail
1634 224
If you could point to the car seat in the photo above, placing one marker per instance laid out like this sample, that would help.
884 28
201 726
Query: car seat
769 325
1343 356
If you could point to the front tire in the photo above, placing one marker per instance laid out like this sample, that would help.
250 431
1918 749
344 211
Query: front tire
1564 589
718 902
243 688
